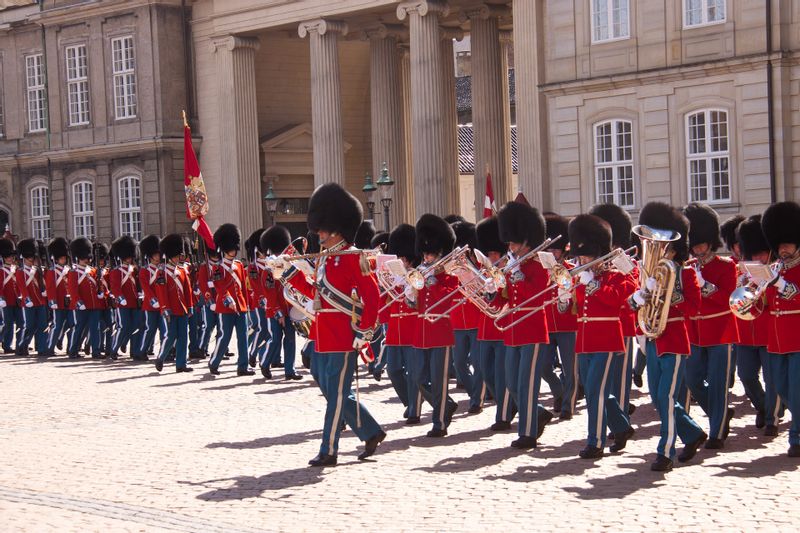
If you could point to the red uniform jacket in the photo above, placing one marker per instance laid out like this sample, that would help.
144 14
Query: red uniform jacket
753 332
9 284
147 281
231 284
268 294
627 316
122 280
599 304
31 286
715 323
784 311
487 331
531 279
402 323
466 315
205 283
84 288
55 281
333 330
437 334
254 293
560 318
174 290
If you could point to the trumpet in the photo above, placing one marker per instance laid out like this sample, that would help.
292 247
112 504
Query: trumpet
747 301
516 262
416 278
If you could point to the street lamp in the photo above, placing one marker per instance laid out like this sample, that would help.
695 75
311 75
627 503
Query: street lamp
386 185
369 189
272 204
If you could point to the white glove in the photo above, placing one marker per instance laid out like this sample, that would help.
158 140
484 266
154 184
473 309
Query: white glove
490 287
3 303
564 296
586 277
640 297
100 295
28 303
123 302
309 306
53 306
213 307
210 284
156 305
700 279
81 306
279 265
410 293
359 344
650 284
196 292
780 284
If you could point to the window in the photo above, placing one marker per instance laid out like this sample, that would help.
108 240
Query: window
37 96
124 68
610 20
130 207
83 209
40 213
708 157
702 12
77 85
613 148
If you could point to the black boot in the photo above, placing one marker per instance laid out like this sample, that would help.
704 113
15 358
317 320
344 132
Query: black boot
323 460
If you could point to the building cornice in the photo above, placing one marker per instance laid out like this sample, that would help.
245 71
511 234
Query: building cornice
94 8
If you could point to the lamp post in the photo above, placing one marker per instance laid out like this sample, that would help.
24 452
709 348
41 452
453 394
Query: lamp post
272 204
386 185
369 190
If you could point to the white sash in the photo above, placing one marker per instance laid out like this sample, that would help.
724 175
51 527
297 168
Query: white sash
61 273
128 273
9 273
173 273
227 267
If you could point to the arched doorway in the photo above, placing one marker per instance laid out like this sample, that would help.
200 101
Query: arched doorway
5 220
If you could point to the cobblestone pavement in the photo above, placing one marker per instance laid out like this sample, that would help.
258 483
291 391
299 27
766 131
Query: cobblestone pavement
94 446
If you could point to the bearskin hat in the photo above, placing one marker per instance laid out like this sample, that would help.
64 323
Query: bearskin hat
7 247
101 249
556 225
274 240
81 248
148 246
402 242
703 225
380 239
58 247
727 231
41 249
488 234
253 242
333 209
434 235
589 235
312 246
465 234
227 238
751 237
171 245
619 220
27 248
659 215
521 223
781 224
124 247
364 235
452 219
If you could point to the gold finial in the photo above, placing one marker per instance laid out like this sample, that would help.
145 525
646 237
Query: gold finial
185 122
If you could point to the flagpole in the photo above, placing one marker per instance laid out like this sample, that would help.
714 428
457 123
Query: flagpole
185 122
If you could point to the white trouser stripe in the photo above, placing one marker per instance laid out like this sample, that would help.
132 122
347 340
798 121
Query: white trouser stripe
624 373
601 404
671 409
529 401
721 434
339 400
443 403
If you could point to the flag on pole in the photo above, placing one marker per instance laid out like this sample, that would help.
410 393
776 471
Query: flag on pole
489 207
196 197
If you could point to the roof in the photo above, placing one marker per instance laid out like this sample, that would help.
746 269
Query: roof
7 4
466 149
464 91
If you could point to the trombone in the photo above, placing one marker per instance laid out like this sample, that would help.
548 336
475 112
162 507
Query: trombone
514 263
416 278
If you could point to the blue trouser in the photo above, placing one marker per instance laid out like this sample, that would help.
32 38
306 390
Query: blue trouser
622 375
280 335
749 360
34 323
196 325
395 357
229 321
209 325
260 335
106 331
177 328
601 405
127 323
12 318
429 372
707 374
255 326
380 351
87 322
464 350
60 319
785 372
562 344
523 366
663 376
493 369
152 323
334 373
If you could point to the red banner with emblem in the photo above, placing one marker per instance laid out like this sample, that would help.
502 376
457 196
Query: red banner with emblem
195 188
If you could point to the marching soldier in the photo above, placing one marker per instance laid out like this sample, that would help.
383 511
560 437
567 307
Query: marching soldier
86 299
33 297
781 225
101 251
151 310
122 281
729 231
712 332
55 280
254 296
9 298
208 298
175 298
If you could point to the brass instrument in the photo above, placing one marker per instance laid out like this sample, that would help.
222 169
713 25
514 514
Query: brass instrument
299 315
515 263
386 282
747 301
416 278
653 315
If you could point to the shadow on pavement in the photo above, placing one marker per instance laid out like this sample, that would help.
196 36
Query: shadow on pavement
637 476
256 486
765 466
266 442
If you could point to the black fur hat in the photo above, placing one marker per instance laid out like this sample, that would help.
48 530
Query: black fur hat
452 219
101 249
148 246
727 231
81 248
253 242
380 239
364 235
556 225
27 248
781 224
58 247
751 237
171 246
227 238
618 219
333 209
7 248
274 240
313 246
124 247
703 225
521 223
434 235
488 234
465 234
402 242
659 215
589 235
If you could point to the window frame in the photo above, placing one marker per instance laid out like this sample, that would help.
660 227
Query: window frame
610 18
78 85
40 89
80 216
615 164
124 78
685 19
40 222
122 211
708 155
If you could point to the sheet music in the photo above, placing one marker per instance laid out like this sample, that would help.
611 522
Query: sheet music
623 263
758 273
548 260
396 267
484 261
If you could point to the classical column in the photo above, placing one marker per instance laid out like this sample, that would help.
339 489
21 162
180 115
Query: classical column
506 44
326 107
405 82
531 107
492 142
386 110
451 171
427 113
238 132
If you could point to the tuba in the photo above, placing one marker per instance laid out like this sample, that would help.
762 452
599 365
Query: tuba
655 242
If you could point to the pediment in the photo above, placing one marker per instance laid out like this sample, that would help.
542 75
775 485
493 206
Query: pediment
298 139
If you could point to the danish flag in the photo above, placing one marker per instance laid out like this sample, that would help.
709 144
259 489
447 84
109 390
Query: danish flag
489 207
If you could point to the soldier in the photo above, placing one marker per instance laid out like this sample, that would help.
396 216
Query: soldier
712 332
9 298
666 354
175 298
86 299
781 225
151 311
33 297
207 298
122 281
728 230
101 251
254 295
231 304
55 280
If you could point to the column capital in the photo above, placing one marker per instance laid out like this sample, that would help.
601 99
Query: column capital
484 12
321 27
382 31
234 42
422 8
447 32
